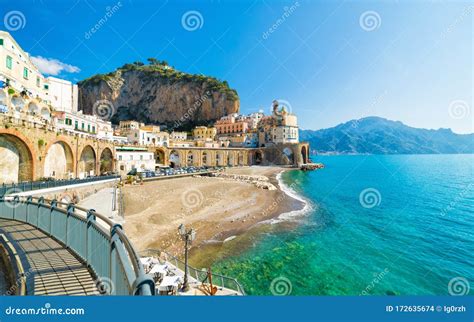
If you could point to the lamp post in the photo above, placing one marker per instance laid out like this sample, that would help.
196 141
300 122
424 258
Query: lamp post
188 236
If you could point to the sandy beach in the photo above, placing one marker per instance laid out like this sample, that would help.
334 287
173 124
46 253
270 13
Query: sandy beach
217 208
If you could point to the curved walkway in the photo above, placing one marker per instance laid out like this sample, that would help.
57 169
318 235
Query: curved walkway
50 268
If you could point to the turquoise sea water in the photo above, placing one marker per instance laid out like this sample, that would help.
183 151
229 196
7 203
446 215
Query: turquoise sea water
412 234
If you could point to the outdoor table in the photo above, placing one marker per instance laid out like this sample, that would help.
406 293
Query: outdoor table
170 284
158 271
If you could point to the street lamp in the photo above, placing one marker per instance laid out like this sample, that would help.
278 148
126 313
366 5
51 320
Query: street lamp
188 237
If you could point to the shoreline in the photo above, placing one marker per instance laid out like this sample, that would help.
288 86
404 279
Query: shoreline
290 192
229 210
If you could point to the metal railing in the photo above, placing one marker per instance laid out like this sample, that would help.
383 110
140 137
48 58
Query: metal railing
12 188
94 238
199 274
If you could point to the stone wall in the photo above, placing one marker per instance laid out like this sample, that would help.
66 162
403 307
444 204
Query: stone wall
31 150
76 194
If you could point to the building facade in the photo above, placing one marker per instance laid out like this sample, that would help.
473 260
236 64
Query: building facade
129 158
82 123
141 134
204 133
178 136
21 77
62 94
279 128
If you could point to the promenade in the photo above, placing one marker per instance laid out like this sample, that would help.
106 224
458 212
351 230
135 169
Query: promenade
49 267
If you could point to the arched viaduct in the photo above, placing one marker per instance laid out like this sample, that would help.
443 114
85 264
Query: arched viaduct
282 154
32 151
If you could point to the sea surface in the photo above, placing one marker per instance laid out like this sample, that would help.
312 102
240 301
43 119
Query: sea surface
375 225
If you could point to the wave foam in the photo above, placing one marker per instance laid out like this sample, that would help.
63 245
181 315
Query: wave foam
288 216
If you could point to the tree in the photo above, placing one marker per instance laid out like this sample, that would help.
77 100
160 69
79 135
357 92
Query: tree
153 61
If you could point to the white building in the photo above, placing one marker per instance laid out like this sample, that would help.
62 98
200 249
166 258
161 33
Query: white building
138 133
62 94
178 136
253 119
154 138
22 77
17 70
286 130
285 134
129 158
279 128
82 123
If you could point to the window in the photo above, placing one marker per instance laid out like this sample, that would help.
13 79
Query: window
1 41
9 62
25 73
46 87
88 127
93 129
120 158
82 126
37 81
76 124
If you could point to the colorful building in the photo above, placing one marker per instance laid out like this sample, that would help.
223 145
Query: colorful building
204 133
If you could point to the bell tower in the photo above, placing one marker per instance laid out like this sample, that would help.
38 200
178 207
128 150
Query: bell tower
275 107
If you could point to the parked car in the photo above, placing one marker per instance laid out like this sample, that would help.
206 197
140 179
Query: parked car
132 172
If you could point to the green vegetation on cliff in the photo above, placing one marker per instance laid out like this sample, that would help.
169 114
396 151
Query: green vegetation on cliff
161 69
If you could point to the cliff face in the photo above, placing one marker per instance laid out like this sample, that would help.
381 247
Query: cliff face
157 94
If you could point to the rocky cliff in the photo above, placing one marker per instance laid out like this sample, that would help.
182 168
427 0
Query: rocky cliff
156 93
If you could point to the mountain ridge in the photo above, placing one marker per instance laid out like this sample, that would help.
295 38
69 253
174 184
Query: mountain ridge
376 135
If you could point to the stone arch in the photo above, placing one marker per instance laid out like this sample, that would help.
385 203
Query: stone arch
230 158
288 155
258 157
45 113
304 154
87 162
205 158
189 158
160 156
220 158
16 159
59 161
240 158
212 159
106 161
18 103
33 108
175 160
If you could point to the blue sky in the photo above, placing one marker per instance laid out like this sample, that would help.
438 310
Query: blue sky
331 60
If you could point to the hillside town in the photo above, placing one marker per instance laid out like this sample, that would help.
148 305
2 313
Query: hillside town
26 95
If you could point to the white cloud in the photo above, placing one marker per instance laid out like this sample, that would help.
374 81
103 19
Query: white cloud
53 66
